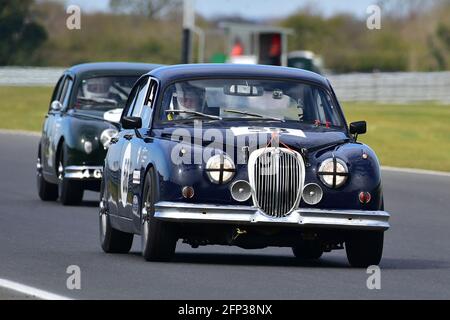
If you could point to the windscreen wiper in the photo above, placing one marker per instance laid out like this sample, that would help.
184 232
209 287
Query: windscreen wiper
200 114
260 116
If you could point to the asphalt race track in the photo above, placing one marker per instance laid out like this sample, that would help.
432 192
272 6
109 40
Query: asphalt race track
39 240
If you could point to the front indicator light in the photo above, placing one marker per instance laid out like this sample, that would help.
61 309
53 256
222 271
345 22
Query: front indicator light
187 192
364 197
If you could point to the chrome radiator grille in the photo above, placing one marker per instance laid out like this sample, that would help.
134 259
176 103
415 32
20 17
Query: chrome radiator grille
276 176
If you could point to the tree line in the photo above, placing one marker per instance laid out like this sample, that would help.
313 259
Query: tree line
414 35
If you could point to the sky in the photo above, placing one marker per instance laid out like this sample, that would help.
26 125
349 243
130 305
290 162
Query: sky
253 9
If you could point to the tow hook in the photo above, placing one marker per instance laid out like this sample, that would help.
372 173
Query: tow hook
238 232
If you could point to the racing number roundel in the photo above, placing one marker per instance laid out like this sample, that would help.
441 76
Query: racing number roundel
125 173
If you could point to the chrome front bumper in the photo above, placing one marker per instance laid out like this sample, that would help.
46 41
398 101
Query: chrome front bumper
83 172
230 214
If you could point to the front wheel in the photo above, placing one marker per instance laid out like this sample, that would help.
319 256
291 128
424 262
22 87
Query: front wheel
364 248
47 191
70 191
158 237
112 240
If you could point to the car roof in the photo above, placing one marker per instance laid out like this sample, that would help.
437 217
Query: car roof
169 74
111 68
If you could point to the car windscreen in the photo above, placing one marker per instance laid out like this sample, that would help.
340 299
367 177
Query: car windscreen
250 99
104 93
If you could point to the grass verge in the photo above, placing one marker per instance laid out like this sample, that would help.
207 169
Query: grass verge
24 108
411 136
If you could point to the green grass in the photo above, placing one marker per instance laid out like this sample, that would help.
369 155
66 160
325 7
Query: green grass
413 136
24 108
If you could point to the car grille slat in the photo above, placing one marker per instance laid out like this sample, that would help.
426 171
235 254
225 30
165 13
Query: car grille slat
276 176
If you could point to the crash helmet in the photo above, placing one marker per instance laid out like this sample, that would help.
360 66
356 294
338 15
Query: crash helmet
189 97
96 87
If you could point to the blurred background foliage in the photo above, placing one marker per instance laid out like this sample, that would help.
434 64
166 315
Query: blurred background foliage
415 35
20 34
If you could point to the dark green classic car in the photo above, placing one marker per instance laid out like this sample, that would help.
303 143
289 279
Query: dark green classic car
83 117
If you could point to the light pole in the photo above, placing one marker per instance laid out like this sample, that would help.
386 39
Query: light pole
188 27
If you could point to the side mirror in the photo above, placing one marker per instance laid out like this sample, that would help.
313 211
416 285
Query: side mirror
56 106
131 122
358 127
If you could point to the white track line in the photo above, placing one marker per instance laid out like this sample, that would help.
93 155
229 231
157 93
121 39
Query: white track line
416 171
41 294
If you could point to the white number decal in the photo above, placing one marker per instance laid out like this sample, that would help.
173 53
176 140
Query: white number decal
126 166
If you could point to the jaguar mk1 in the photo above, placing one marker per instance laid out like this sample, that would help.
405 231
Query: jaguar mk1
251 156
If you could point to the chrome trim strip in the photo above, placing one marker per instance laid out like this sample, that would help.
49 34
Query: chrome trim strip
201 213
83 172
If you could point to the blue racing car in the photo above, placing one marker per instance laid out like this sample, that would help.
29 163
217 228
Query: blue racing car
244 155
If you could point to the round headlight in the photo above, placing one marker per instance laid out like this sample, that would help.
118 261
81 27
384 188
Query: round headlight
333 172
106 136
220 168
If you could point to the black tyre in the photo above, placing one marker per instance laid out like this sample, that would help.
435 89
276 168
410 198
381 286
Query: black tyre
364 248
47 191
158 237
70 191
307 250
111 240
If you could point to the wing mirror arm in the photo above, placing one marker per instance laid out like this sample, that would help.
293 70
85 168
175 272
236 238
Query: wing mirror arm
357 128
137 133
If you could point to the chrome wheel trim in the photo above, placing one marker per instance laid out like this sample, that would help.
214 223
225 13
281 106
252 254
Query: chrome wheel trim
38 165
103 217
60 171
39 171
60 179
145 226
103 224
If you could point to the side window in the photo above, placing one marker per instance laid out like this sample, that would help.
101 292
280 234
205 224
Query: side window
149 104
66 92
320 108
326 109
330 109
58 88
152 93
142 94
131 101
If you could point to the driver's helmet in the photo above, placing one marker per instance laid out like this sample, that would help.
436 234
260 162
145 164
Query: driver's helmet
188 97
96 87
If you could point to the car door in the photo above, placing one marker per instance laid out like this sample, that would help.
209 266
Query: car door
52 124
140 151
48 125
131 151
117 160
